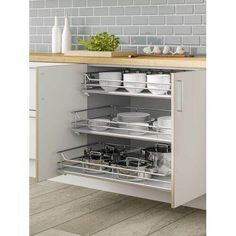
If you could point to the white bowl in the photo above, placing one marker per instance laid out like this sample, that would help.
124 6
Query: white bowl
136 78
123 127
95 123
103 76
137 126
133 116
164 122
133 126
159 79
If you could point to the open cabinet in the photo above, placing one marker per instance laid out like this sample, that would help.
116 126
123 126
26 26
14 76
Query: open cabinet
68 96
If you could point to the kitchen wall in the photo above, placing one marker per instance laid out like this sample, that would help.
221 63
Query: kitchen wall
136 22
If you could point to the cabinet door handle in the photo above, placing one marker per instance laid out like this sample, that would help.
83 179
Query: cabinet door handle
179 97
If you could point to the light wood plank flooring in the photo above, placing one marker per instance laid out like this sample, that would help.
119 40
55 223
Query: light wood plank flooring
64 210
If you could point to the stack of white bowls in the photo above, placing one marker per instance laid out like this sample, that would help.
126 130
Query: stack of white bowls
105 76
98 124
137 122
158 84
133 80
163 126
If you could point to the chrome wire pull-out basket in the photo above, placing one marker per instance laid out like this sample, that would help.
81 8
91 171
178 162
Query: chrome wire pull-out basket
92 84
110 164
106 124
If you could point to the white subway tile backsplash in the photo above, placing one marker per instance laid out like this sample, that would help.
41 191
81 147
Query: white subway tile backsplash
132 10
52 3
156 20
117 11
101 11
131 30
123 20
140 20
136 22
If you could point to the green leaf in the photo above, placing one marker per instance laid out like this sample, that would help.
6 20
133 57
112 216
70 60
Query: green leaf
100 42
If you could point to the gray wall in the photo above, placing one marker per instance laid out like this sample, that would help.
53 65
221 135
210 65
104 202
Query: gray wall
136 22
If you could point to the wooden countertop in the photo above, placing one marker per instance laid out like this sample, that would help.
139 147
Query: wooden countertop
165 62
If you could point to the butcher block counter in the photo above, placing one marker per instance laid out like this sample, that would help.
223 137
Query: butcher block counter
142 61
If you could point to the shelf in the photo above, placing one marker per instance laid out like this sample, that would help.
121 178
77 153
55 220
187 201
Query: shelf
113 133
123 92
108 167
92 84
118 129
109 177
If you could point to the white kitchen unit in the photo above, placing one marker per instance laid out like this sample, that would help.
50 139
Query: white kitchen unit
33 79
32 122
68 98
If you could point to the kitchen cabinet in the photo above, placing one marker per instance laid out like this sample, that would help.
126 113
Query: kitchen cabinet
63 94
32 143
33 112
32 122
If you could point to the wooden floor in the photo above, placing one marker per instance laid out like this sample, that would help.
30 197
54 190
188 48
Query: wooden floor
64 210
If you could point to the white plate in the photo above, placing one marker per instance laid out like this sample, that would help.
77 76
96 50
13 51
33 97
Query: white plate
137 126
164 122
134 126
133 117
94 124
162 130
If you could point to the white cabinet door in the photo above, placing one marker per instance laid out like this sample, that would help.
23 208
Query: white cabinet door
32 89
189 136
32 138
59 93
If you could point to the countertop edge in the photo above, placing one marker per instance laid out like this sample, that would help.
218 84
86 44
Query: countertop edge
185 62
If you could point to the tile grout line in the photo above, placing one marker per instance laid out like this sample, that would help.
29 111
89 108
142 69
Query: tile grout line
79 216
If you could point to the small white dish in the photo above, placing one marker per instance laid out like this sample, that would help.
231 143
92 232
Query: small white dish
137 128
133 117
180 50
133 128
166 50
156 50
147 50
95 124
161 129
164 122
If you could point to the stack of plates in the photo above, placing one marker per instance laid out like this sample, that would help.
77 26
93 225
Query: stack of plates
133 117
137 122
163 125
98 124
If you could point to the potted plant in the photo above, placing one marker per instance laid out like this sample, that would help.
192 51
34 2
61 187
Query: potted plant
100 42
